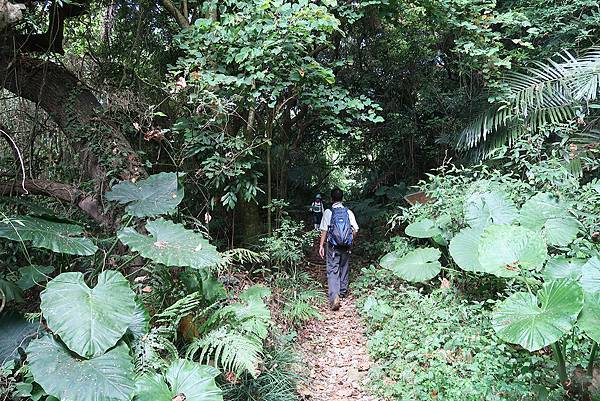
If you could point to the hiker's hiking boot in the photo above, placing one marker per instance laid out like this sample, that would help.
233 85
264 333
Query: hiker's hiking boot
335 305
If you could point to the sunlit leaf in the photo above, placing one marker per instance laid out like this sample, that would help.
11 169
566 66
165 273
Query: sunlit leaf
544 212
589 319
590 276
88 320
423 229
156 195
537 321
464 249
195 381
172 245
108 377
486 208
419 265
504 250
563 267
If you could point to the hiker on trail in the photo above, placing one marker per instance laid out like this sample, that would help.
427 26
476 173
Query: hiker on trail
317 209
339 228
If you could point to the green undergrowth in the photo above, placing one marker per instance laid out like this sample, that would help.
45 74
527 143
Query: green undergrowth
278 380
438 346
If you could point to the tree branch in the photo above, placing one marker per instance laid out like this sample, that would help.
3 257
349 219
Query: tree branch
49 41
63 192
179 17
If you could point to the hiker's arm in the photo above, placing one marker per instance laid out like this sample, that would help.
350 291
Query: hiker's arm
353 223
322 244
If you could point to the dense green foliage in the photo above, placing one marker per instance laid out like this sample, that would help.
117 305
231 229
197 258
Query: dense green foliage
158 160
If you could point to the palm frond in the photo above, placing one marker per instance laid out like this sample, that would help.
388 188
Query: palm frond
546 93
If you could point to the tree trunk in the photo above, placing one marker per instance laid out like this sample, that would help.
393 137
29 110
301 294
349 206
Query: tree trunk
250 224
101 145
250 227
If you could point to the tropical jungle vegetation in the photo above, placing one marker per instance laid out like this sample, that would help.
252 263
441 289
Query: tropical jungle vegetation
158 160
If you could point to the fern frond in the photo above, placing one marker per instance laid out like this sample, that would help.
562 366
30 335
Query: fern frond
242 256
253 317
228 349
151 352
169 318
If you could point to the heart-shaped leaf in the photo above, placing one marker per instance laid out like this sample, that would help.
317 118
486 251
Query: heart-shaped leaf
539 208
535 322
33 275
15 334
156 195
196 382
590 276
561 231
172 245
423 229
58 237
545 212
419 265
108 377
464 249
88 320
485 208
589 319
562 267
505 250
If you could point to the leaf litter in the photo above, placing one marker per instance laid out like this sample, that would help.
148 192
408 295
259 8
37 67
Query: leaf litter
334 353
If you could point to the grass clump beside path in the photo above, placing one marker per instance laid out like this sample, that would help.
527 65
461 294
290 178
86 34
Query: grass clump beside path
438 346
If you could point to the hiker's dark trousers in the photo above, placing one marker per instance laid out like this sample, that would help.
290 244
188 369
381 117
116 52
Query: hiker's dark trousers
338 273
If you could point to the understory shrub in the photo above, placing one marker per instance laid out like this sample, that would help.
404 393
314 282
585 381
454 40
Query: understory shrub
277 381
438 346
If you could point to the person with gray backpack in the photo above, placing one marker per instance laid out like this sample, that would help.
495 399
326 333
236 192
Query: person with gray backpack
338 229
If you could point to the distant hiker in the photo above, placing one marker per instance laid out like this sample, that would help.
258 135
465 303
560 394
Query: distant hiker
317 209
339 227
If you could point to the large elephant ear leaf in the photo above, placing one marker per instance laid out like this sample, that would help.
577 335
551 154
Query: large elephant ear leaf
108 377
89 320
563 267
539 208
545 212
590 276
505 250
140 323
195 381
589 319
172 245
15 334
535 322
416 266
561 231
58 237
483 209
156 195
423 229
464 249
